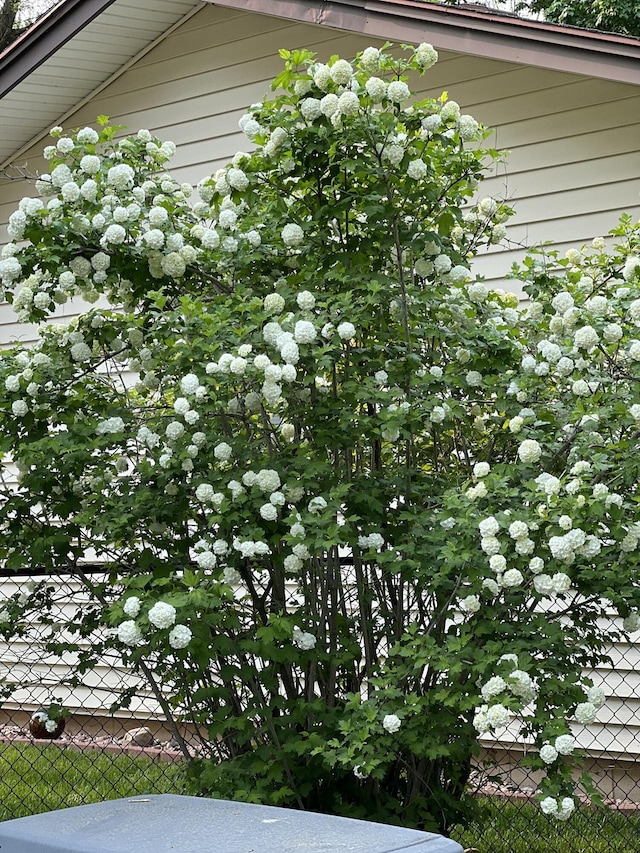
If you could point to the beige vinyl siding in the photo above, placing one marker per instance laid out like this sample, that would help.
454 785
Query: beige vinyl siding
43 675
573 166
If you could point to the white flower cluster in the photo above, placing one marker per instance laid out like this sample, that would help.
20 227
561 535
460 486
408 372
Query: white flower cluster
391 723
129 633
249 549
180 637
373 540
162 615
517 683
560 809
303 639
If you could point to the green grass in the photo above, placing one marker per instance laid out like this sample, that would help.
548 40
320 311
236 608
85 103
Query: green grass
39 779
522 828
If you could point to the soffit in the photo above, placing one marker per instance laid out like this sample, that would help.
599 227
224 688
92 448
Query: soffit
75 71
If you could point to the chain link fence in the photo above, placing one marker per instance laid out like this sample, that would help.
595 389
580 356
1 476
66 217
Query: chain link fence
64 742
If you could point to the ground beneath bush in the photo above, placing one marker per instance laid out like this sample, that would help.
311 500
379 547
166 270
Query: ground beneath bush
137 741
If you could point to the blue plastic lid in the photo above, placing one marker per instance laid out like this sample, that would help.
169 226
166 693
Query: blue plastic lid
167 822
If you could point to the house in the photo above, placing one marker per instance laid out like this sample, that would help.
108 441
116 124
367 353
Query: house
565 102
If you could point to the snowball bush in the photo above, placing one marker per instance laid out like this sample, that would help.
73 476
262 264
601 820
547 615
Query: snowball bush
356 508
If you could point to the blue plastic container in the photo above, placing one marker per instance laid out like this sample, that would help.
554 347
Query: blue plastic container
168 822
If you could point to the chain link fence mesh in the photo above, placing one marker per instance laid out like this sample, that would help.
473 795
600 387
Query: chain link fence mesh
98 753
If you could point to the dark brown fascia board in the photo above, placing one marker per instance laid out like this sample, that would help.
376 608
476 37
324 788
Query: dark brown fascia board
472 31
44 38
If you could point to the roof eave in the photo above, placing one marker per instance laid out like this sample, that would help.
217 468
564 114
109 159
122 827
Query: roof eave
459 28
44 38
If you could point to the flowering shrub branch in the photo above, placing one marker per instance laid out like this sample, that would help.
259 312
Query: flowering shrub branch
356 507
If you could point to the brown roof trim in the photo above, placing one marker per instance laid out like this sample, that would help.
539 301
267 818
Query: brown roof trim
473 30
44 38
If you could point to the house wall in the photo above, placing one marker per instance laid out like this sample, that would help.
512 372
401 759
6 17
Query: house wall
572 169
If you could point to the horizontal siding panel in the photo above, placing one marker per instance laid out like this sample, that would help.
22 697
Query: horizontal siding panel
529 106
567 124
196 69
566 177
580 148
213 33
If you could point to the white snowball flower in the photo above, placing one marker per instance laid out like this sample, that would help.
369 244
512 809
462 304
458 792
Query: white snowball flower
189 384
490 545
346 331
565 744
322 76
341 72
468 128
269 512
498 716
267 480
292 234
426 55
566 808
181 405
398 91
292 563
632 622
491 586
561 583
543 585
631 268
162 615
306 300
586 338
311 109
237 179
521 685
548 753
87 136
132 606
376 89
348 103
370 59
493 687
529 451
518 529
174 431
303 639
417 169
129 633
470 604
596 696
222 451
110 425
115 235
512 577
562 302
207 560
549 806
317 505
497 563
391 723
585 713
489 526
180 637
304 332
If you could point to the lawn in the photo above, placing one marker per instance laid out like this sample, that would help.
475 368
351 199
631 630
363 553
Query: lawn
39 779
522 828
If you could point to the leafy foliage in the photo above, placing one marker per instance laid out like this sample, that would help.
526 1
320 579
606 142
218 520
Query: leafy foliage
355 507
616 16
